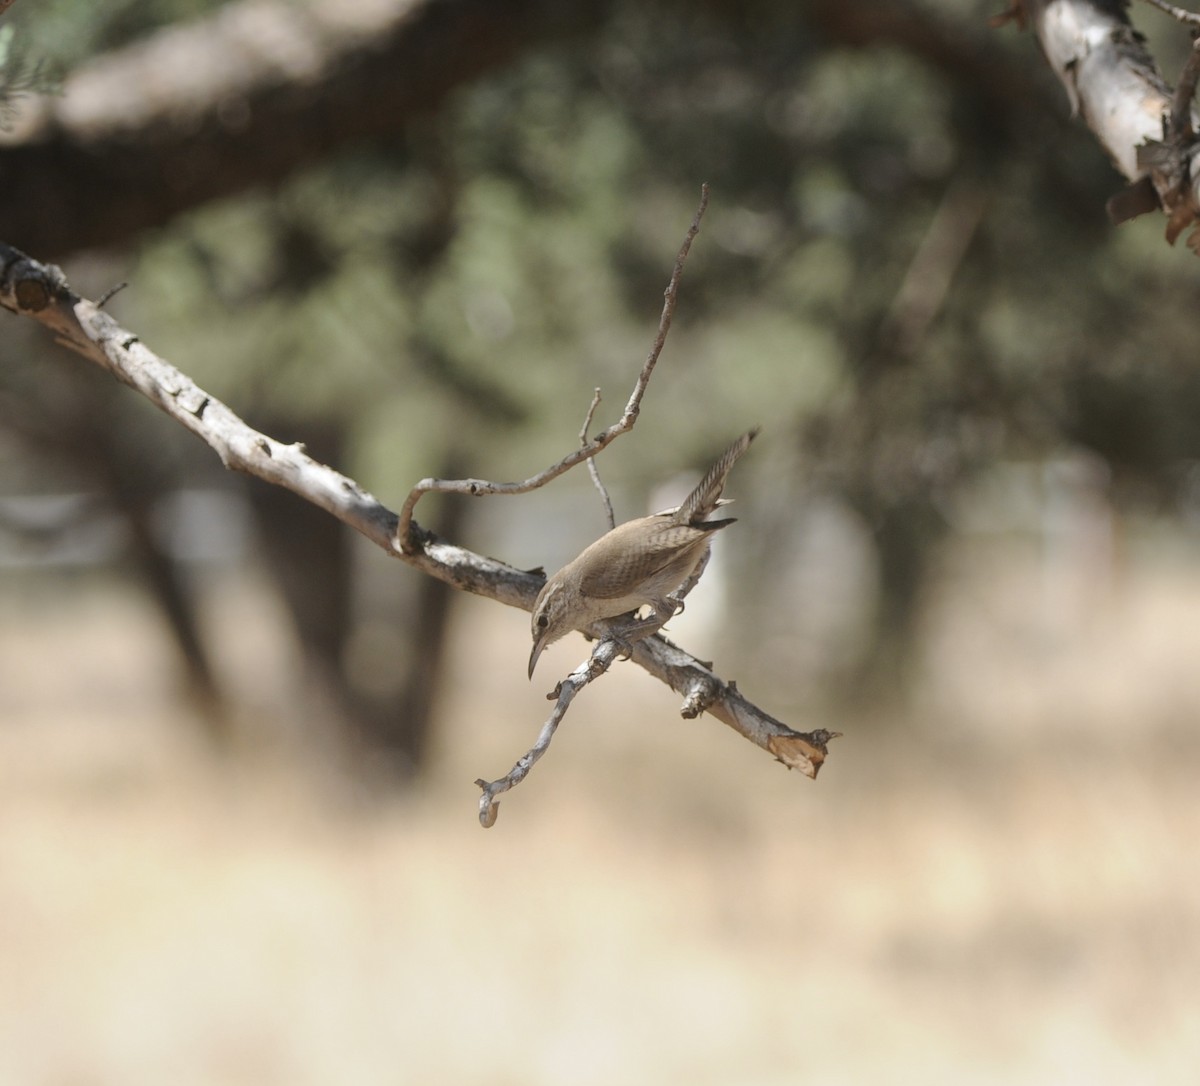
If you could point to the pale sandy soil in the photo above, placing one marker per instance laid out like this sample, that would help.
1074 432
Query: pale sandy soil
1005 891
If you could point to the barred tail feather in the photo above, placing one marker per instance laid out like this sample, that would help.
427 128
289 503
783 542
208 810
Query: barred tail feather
703 500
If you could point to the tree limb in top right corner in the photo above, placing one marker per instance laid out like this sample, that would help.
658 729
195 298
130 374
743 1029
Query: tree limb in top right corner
1115 87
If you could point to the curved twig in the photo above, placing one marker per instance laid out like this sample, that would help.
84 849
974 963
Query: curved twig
410 541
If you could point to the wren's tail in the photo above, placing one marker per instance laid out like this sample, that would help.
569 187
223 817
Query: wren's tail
703 500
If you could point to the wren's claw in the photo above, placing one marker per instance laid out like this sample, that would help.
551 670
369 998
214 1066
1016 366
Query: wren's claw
624 646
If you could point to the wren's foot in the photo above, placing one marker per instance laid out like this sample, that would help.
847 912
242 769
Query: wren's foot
638 628
624 646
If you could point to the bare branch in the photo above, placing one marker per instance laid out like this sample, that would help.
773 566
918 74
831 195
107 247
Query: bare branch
594 471
703 692
706 692
41 292
1113 83
408 541
563 694
664 321
1107 71
5 5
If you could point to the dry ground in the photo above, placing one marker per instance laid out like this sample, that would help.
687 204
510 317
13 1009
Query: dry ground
1006 891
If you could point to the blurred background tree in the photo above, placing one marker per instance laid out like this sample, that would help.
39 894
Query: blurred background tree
906 277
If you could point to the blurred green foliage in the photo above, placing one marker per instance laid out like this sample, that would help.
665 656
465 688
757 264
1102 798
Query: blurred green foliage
468 286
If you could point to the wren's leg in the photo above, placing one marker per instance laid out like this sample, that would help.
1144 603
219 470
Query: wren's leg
638 628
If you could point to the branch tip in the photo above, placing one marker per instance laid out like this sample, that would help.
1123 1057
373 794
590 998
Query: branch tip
109 294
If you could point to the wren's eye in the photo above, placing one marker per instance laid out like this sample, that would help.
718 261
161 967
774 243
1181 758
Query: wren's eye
543 621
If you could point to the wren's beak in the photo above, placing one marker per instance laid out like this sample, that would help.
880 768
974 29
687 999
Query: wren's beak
536 651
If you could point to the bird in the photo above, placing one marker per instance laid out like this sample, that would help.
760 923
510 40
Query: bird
638 563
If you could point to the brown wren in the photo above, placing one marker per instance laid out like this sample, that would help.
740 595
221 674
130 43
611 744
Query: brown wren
638 563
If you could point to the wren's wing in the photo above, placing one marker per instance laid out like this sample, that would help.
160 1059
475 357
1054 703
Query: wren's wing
703 500
639 551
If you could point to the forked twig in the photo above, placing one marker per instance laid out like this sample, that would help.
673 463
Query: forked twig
703 692
563 694
410 542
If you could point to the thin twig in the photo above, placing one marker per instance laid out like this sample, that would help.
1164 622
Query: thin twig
410 541
668 311
594 471
1178 13
703 692
5 5
109 294
592 668
1185 91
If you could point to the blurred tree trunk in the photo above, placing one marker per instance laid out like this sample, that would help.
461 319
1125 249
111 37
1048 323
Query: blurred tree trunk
406 731
310 555
80 421
166 582
907 534
307 553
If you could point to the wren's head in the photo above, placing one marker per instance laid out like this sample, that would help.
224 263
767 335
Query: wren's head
551 617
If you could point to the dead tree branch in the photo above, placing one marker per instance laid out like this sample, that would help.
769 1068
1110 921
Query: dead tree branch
1114 85
409 541
41 292
563 694
703 692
